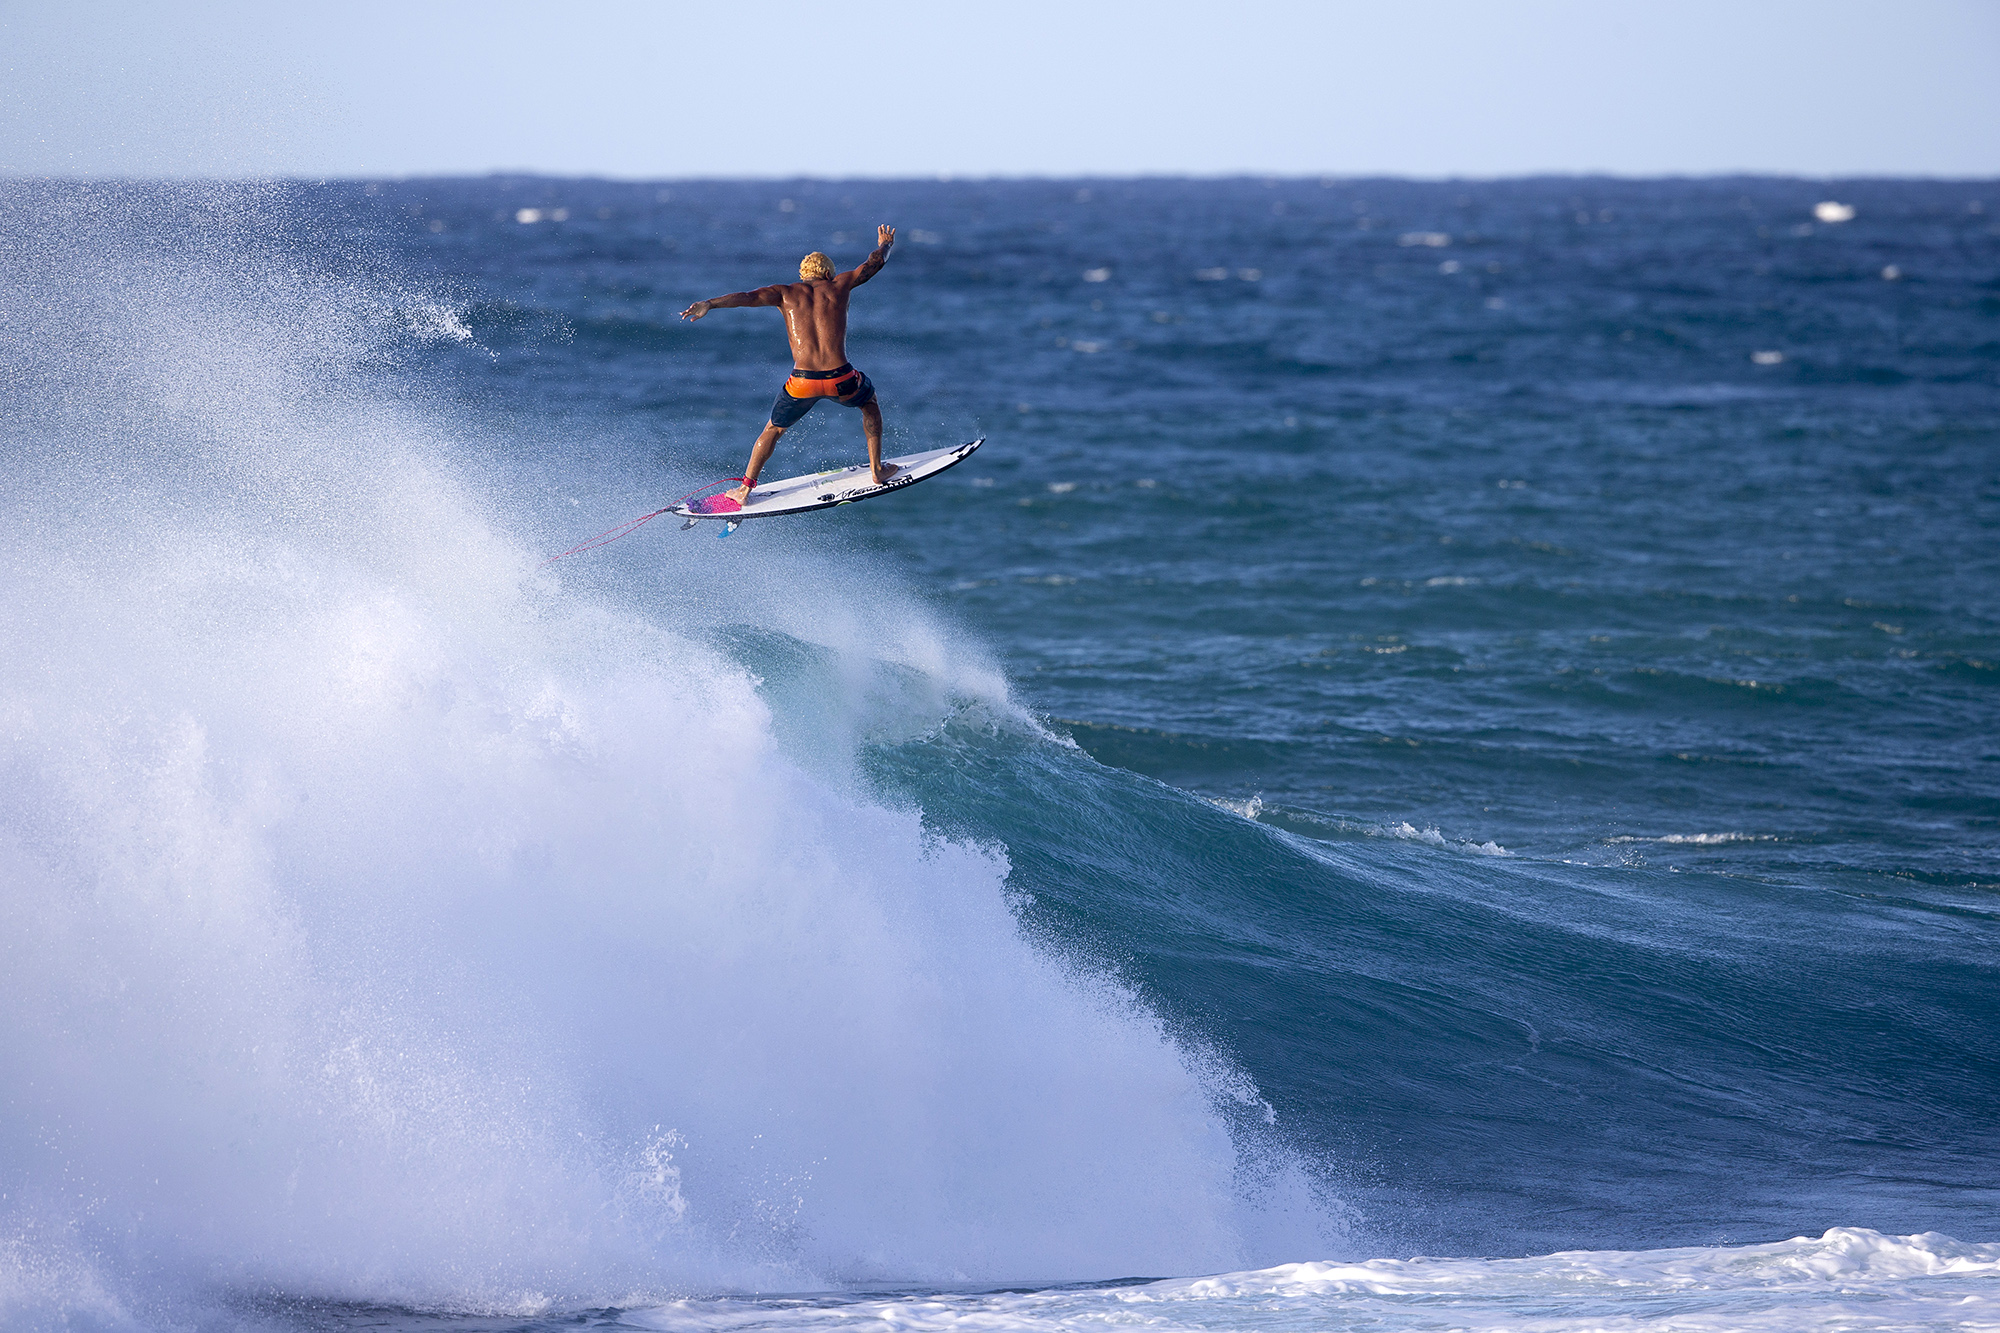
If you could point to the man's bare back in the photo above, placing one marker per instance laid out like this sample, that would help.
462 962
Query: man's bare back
816 322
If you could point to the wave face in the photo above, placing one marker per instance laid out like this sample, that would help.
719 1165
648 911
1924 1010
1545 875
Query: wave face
1440 776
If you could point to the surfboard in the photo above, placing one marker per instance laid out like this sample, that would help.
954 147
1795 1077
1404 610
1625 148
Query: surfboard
824 490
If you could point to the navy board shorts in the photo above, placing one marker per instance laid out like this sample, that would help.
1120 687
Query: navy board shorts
803 391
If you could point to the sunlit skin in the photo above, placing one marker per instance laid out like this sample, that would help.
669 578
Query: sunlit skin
816 322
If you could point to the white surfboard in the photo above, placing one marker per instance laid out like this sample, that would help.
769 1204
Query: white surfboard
823 490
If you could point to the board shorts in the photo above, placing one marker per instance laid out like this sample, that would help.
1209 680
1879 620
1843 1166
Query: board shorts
802 392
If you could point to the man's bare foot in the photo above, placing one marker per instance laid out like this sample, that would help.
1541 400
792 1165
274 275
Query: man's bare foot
884 471
740 494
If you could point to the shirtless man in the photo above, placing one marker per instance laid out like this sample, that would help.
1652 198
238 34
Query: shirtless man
816 320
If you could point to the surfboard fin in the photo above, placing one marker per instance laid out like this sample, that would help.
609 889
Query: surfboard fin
685 526
729 526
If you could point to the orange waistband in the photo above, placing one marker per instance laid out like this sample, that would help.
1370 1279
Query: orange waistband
839 387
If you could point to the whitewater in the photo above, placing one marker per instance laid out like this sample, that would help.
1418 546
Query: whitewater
400 931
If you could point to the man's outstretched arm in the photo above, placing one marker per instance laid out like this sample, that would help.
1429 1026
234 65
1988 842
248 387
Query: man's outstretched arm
885 237
762 296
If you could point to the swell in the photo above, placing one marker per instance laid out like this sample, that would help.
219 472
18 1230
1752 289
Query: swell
1501 1055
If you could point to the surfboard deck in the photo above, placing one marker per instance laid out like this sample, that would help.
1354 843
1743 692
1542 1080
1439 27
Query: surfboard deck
824 490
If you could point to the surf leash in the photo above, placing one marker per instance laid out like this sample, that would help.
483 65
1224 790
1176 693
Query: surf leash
611 535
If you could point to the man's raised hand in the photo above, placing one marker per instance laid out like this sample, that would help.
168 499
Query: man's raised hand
695 311
885 236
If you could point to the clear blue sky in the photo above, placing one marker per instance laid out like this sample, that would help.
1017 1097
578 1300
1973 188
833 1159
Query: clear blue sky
1027 87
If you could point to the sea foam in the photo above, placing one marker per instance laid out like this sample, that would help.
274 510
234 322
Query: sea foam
1849 1278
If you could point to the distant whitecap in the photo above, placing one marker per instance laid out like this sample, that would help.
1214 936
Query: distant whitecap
1695 839
1829 211
1430 834
1211 275
1097 275
1424 238
527 216
1890 273
1767 358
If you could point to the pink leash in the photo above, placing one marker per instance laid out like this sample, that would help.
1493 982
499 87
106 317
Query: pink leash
626 529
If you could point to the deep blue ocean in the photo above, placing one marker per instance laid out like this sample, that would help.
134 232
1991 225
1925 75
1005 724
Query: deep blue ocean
1454 719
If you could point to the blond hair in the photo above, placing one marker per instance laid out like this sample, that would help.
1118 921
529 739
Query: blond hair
815 265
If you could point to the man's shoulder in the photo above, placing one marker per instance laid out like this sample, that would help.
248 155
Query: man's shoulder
816 289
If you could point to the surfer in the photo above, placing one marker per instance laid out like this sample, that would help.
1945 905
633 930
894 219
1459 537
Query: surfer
816 321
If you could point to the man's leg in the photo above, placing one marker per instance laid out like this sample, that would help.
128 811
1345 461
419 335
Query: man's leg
871 422
760 454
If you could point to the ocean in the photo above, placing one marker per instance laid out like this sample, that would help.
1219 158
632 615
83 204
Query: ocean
1440 769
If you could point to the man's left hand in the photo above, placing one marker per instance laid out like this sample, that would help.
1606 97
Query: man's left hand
695 311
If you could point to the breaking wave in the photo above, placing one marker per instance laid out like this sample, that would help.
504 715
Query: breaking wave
391 918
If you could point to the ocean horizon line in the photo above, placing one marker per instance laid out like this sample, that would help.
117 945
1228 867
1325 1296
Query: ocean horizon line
948 178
